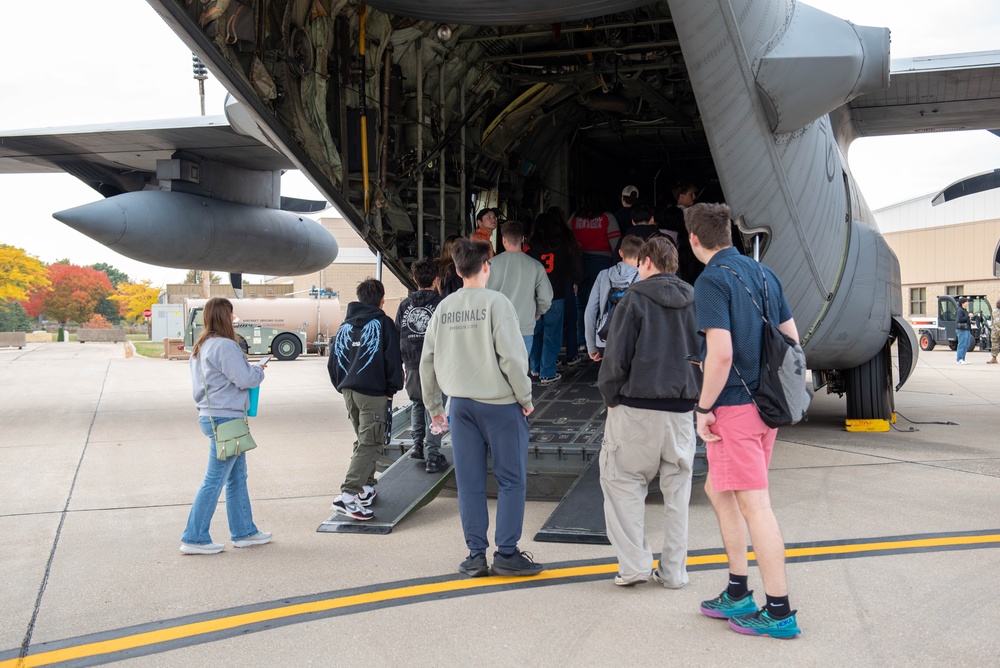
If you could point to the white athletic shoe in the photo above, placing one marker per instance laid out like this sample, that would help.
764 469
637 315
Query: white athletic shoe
210 548
259 538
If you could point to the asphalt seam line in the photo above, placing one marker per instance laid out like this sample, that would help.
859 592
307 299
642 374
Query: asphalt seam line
26 643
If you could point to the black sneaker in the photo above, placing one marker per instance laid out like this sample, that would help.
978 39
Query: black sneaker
436 462
517 564
475 566
417 451
351 509
574 362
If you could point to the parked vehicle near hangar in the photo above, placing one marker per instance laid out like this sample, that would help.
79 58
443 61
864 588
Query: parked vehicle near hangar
940 330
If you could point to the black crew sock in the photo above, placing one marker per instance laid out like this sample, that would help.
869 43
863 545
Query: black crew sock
778 606
737 586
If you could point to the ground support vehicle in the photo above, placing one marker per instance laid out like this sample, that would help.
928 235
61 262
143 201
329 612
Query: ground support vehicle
254 339
940 330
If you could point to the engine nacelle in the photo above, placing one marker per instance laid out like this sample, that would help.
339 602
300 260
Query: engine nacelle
184 231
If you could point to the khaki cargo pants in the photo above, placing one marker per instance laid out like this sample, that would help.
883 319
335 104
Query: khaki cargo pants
638 444
368 417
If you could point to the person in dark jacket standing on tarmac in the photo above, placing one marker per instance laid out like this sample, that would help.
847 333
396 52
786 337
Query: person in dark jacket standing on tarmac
365 367
414 315
650 389
963 330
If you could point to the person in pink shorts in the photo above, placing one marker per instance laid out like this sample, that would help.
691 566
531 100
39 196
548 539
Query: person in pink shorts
738 442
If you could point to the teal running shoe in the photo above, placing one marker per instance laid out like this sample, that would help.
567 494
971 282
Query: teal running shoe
724 607
761 623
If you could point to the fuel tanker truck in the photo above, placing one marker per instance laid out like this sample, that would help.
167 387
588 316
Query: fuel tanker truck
282 328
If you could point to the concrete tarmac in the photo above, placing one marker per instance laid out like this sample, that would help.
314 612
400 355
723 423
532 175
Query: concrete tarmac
897 536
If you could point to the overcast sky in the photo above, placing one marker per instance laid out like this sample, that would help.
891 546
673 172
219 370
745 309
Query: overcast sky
77 63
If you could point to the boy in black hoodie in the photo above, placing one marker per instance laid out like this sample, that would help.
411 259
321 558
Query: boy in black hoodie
414 314
365 367
650 389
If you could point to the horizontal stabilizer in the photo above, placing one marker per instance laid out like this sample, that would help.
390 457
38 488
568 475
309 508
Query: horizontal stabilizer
932 94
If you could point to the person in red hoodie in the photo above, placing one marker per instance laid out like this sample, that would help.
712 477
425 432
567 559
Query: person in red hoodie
597 234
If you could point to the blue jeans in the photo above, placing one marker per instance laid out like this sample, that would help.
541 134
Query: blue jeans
527 341
548 336
569 323
233 474
503 429
964 338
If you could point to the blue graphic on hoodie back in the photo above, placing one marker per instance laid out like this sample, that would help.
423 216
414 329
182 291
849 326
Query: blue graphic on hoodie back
367 345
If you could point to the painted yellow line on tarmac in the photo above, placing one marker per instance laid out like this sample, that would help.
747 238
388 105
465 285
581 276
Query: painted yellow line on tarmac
194 629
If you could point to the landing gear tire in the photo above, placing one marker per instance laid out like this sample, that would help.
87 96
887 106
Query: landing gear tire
244 346
926 341
869 388
286 347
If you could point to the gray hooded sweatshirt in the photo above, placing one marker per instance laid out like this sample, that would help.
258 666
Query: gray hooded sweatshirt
228 376
653 330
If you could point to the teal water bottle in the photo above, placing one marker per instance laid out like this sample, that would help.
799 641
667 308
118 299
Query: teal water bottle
254 396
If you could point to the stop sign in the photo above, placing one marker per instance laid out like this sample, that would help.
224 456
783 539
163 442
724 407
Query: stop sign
147 313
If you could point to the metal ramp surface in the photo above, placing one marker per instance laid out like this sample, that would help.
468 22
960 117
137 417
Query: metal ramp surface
403 488
579 517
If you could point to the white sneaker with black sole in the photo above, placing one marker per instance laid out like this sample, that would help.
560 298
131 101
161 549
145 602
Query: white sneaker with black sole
366 496
348 505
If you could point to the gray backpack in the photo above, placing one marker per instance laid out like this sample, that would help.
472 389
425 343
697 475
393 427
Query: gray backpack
782 397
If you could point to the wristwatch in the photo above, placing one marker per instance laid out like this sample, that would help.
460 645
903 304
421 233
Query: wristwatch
703 411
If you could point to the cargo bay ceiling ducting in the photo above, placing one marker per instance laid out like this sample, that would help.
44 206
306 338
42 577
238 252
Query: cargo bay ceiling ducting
463 113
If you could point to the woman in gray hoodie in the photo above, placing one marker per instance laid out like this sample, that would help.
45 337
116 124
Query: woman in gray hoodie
220 378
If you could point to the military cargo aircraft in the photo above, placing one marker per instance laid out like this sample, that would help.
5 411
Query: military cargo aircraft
409 115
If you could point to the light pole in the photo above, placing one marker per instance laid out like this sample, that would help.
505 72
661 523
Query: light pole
200 74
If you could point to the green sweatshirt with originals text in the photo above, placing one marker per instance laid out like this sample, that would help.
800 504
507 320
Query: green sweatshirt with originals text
473 349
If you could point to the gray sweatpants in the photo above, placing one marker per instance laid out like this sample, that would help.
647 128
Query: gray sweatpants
638 443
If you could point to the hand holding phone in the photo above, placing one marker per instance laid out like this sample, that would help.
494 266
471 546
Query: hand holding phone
264 361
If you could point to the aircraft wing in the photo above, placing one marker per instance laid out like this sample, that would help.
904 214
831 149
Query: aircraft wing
931 94
181 193
121 157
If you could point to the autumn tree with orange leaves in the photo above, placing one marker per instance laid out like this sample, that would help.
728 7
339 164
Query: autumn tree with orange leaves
72 295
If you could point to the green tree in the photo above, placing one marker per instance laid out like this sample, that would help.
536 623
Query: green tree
109 310
115 275
20 274
194 277
106 307
13 318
